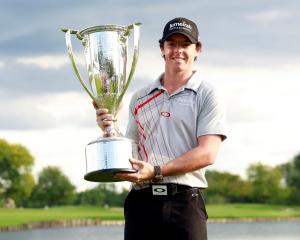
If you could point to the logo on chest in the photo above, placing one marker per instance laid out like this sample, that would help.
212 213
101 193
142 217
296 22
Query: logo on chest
165 114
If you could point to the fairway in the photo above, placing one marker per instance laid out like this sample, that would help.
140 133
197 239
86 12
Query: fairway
14 217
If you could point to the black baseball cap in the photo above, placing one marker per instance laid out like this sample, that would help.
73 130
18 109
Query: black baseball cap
183 26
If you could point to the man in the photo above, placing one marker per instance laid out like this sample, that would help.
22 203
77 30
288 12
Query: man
178 123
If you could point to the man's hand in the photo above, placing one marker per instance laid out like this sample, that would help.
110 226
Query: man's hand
145 171
103 118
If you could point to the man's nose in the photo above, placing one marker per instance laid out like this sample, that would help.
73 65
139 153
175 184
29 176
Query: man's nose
178 47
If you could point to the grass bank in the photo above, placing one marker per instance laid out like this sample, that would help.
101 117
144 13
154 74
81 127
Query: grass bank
254 211
15 217
11 217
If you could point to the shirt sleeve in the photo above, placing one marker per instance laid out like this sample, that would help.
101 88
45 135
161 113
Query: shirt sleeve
211 114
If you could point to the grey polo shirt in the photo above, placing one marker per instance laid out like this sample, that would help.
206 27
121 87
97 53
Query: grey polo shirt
167 125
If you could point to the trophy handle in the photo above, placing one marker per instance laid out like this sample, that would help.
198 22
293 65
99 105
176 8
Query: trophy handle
136 45
71 56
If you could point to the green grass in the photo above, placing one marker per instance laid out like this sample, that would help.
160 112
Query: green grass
234 211
13 217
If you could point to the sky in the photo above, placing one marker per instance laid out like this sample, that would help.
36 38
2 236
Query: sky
251 53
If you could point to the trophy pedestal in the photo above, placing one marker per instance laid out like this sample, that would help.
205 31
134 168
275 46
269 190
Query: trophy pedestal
107 156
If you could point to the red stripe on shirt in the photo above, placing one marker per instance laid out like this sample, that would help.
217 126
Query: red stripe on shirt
140 125
142 134
145 152
147 101
141 130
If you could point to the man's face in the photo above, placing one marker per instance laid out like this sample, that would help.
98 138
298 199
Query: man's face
179 52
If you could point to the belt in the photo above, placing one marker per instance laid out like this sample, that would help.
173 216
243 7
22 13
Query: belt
167 189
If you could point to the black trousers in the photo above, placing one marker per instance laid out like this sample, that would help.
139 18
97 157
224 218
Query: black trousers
180 216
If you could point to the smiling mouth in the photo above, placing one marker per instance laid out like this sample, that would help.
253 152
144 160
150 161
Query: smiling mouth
178 59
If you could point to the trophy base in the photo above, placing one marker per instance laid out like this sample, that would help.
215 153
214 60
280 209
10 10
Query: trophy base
107 175
107 156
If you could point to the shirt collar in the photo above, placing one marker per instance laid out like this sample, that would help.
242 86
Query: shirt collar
156 85
193 83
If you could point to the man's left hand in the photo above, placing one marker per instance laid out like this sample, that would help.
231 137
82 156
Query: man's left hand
145 171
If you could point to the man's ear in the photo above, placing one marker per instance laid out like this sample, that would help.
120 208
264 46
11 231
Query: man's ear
199 47
161 46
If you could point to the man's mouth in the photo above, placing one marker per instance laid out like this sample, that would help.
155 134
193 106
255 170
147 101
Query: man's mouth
178 59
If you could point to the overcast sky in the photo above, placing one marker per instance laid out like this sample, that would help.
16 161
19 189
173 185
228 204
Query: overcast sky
250 52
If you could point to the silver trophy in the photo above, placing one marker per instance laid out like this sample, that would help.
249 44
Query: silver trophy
105 50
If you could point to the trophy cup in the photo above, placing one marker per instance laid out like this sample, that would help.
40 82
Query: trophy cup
105 50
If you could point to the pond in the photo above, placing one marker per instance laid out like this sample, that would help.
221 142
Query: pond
216 231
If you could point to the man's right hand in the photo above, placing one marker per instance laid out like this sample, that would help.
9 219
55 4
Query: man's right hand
103 118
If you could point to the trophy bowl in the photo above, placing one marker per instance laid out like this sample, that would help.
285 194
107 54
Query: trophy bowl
105 50
105 156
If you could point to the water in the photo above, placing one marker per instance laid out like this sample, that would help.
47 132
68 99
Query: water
78 233
216 231
254 230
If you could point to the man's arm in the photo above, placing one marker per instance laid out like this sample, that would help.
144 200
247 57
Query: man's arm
199 157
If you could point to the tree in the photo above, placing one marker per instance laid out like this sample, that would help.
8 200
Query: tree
93 197
226 187
53 188
102 195
291 175
16 180
111 196
266 184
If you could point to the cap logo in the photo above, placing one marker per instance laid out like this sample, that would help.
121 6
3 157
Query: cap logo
180 25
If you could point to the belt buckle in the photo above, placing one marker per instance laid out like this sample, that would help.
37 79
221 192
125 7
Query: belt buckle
160 190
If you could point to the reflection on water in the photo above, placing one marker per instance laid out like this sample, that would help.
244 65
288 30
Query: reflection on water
77 233
216 231
254 231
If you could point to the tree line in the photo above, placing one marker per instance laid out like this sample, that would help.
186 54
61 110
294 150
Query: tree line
263 184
